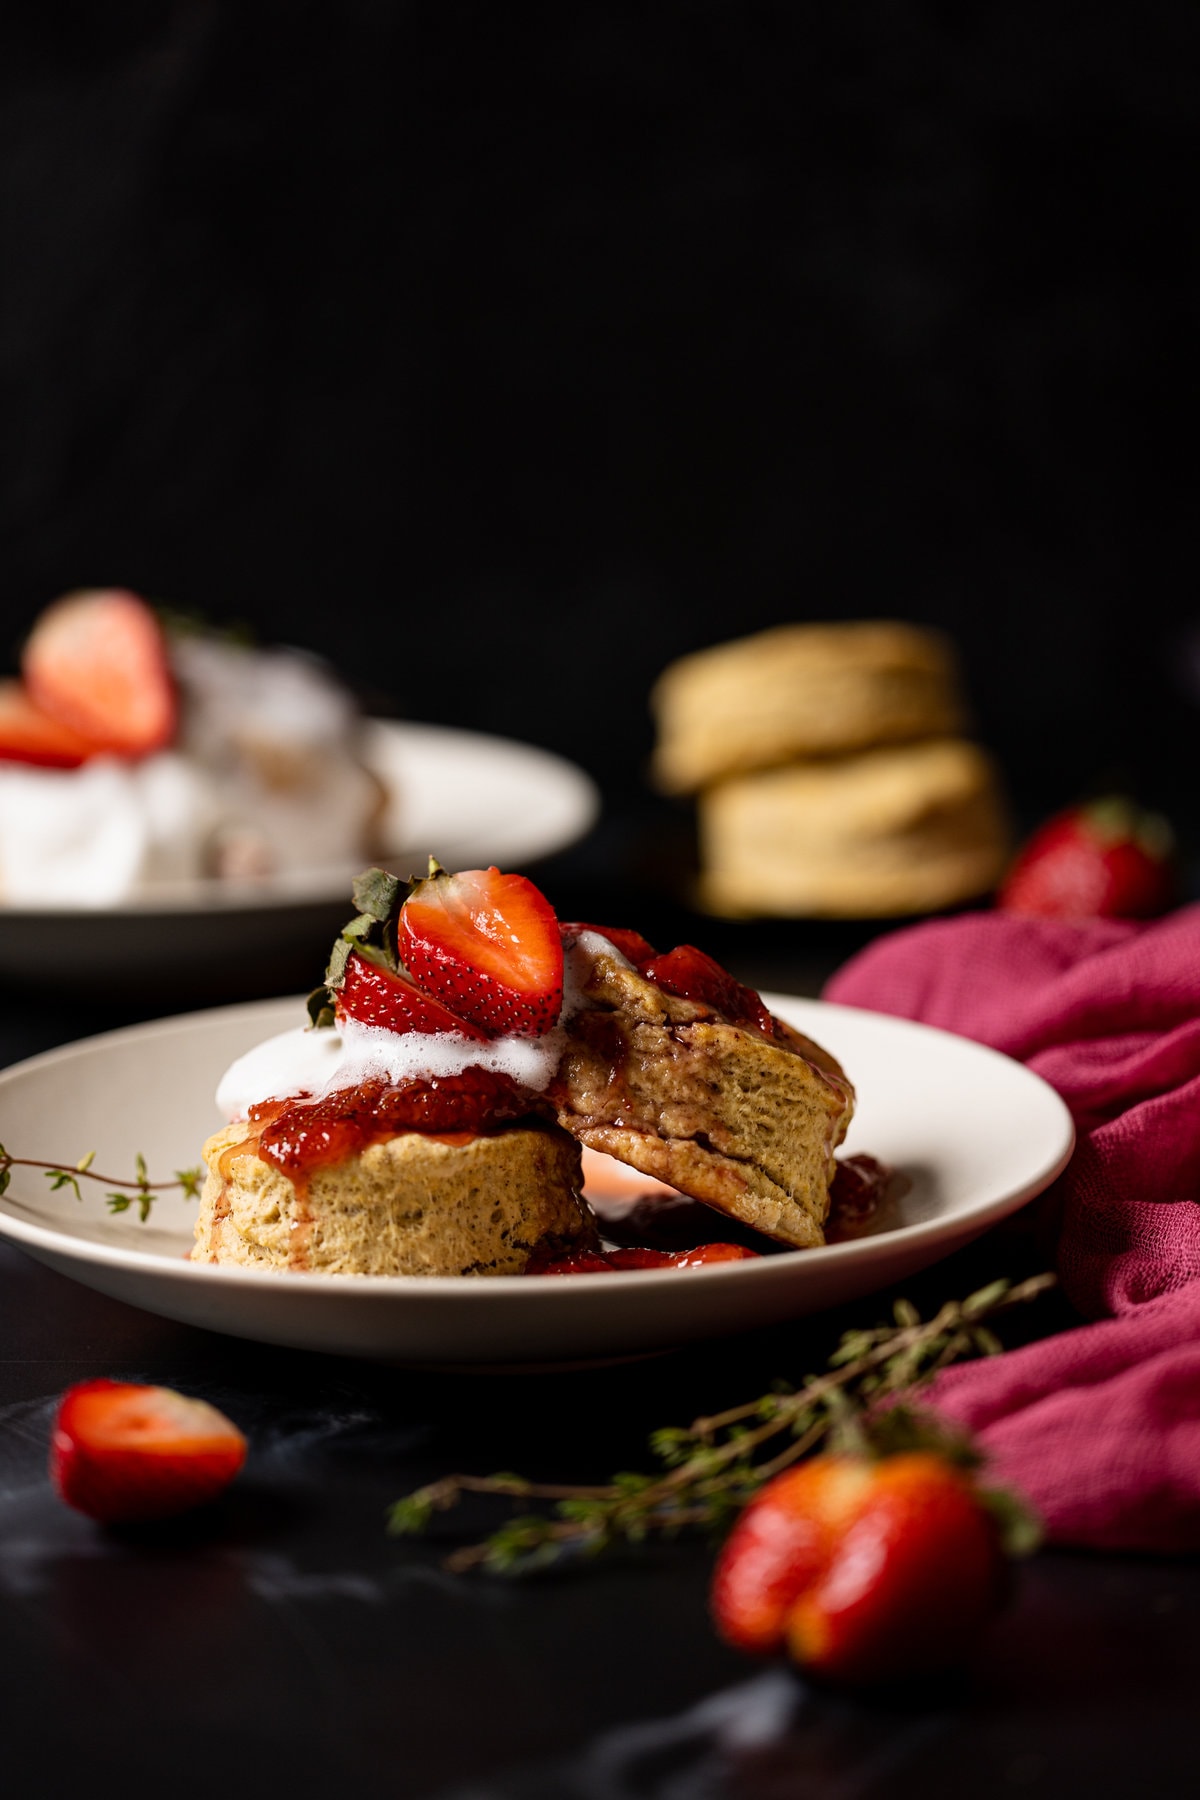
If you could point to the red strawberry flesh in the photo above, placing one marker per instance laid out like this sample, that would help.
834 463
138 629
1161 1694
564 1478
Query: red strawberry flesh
487 945
690 974
97 662
29 735
391 1002
1107 860
122 1452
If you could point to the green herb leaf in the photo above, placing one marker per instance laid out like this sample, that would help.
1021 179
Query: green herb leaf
60 1178
708 1471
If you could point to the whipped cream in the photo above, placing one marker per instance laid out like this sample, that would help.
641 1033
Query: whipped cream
264 778
90 836
319 1060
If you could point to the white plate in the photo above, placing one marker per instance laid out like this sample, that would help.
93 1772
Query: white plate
975 1133
468 799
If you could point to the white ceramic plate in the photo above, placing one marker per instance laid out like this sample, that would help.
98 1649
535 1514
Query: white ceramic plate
467 798
975 1134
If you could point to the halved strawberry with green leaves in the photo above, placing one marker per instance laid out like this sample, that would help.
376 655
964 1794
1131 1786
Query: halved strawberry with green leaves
97 662
487 945
122 1452
388 999
28 735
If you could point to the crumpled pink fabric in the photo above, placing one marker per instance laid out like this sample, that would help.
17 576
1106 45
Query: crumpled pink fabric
1099 1426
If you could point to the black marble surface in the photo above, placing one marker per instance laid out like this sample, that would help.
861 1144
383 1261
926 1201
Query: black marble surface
282 1642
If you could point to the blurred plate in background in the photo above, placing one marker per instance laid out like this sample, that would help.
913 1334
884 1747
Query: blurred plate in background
466 798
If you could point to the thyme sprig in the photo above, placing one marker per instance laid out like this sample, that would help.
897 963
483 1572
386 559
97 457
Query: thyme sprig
140 1192
711 1468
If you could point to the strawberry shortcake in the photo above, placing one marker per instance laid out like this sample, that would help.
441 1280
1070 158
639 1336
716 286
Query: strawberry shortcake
464 1046
133 756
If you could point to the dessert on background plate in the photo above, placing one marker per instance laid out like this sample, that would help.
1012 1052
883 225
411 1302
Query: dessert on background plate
830 777
464 1046
133 756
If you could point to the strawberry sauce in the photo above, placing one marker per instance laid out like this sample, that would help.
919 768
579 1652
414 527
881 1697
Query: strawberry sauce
298 1136
600 1262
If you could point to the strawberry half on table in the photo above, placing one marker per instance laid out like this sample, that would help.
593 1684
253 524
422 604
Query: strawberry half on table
1106 860
867 1569
123 1453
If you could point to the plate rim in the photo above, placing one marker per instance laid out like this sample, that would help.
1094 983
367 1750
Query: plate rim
325 886
22 1230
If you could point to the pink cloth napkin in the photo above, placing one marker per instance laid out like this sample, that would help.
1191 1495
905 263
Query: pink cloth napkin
1100 1426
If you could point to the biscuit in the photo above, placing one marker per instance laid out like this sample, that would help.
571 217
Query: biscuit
746 1123
886 833
409 1205
800 691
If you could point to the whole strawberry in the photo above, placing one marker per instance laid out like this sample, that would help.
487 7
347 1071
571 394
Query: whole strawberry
864 1569
1107 860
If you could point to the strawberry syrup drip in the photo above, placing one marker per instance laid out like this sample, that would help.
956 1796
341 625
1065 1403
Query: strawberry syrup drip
301 1135
857 1191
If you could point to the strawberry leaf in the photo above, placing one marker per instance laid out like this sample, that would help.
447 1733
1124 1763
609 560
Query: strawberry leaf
320 1008
376 893
1020 1528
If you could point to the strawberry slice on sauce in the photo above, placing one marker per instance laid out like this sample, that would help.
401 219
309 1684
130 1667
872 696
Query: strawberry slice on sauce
690 974
28 735
390 1001
488 946
97 662
121 1452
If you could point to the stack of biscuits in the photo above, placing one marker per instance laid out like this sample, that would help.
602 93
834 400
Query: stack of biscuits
830 771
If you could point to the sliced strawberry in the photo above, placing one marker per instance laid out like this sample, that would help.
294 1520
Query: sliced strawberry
488 945
376 996
631 944
97 662
691 975
122 1452
29 735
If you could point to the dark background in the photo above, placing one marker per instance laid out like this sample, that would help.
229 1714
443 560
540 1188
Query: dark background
503 354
